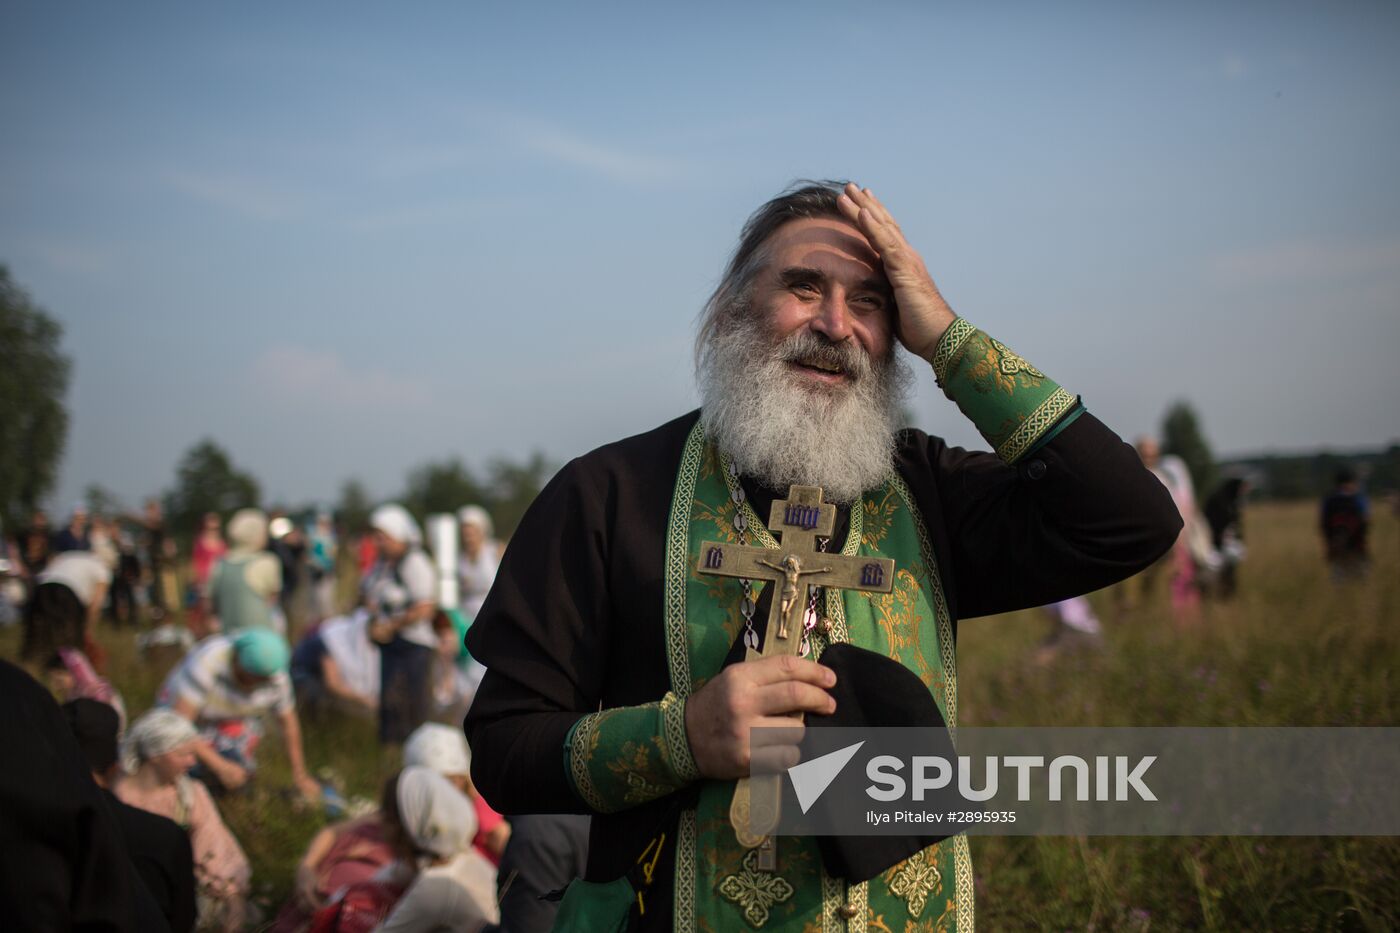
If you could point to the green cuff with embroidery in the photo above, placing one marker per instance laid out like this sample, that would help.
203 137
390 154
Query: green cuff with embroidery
619 758
1013 404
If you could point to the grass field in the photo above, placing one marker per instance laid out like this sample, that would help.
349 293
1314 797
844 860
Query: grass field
1289 650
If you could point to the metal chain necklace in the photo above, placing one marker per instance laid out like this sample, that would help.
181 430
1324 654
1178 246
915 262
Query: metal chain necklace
741 525
809 618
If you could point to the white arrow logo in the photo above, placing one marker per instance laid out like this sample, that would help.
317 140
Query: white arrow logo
811 778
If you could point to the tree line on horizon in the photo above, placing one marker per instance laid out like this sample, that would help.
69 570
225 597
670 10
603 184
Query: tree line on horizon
35 375
207 480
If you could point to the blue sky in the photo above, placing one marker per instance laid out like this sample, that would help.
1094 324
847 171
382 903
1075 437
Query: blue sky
344 239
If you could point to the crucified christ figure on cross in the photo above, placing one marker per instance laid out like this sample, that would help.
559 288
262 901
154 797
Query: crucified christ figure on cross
791 568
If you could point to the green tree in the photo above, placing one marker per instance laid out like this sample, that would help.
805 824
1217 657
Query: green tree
34 374
102 501
352 511
207 481
1181 435
442 487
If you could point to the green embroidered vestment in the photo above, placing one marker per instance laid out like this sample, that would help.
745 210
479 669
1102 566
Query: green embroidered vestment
619 758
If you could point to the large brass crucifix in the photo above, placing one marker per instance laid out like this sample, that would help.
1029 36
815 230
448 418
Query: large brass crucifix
795 565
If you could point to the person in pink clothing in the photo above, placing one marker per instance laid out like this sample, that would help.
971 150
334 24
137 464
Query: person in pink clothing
157 751
209 548
71 676
1171 471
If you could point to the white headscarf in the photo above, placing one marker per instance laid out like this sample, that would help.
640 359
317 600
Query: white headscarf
439 819
247 530
394 520
475 515
439 747
157 732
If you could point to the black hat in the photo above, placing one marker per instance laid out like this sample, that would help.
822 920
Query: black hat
875 691
95 726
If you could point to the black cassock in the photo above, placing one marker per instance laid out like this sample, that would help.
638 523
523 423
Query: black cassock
574 621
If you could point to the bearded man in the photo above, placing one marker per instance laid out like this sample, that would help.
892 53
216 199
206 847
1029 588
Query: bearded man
612 684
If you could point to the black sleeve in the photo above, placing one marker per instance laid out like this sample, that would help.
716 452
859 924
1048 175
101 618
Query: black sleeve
543 636
63 863
1071 517
182 898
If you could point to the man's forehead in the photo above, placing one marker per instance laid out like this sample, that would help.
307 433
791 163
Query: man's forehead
823 241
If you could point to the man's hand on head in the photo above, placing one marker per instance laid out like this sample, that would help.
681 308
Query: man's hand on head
922 314
769 692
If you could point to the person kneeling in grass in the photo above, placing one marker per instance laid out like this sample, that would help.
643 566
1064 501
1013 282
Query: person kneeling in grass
224 686
452 886
157 751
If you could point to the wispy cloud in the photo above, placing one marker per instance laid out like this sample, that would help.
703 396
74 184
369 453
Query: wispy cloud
323 380
409 161
1309 260
249 197
614 163
618 163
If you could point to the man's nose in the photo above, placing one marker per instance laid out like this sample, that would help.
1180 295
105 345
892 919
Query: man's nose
833 318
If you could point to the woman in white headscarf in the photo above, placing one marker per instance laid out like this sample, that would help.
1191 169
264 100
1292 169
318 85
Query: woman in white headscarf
476 569
157 751
454 888
444 749
400 592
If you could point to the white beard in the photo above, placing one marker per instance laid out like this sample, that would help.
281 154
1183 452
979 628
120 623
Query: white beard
783 432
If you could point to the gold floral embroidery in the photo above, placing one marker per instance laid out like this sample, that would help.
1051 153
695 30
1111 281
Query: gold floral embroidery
895 614
876 923
721 516
633 766
915 878
950 914
1012 363
985 372
879 516
928 926
929 567
755 892
640 790
994 367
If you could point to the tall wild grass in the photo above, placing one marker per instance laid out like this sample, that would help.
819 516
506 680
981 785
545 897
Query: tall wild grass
1290 649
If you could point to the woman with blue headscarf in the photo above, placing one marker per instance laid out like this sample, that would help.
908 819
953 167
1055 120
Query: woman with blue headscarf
224 686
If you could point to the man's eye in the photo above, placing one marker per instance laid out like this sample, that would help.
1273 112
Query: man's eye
873 302
806 288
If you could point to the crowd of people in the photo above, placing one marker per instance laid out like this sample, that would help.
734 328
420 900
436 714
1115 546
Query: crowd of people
612 671
263 641
1204 561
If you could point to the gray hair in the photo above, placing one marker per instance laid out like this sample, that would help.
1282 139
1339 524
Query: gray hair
803 199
